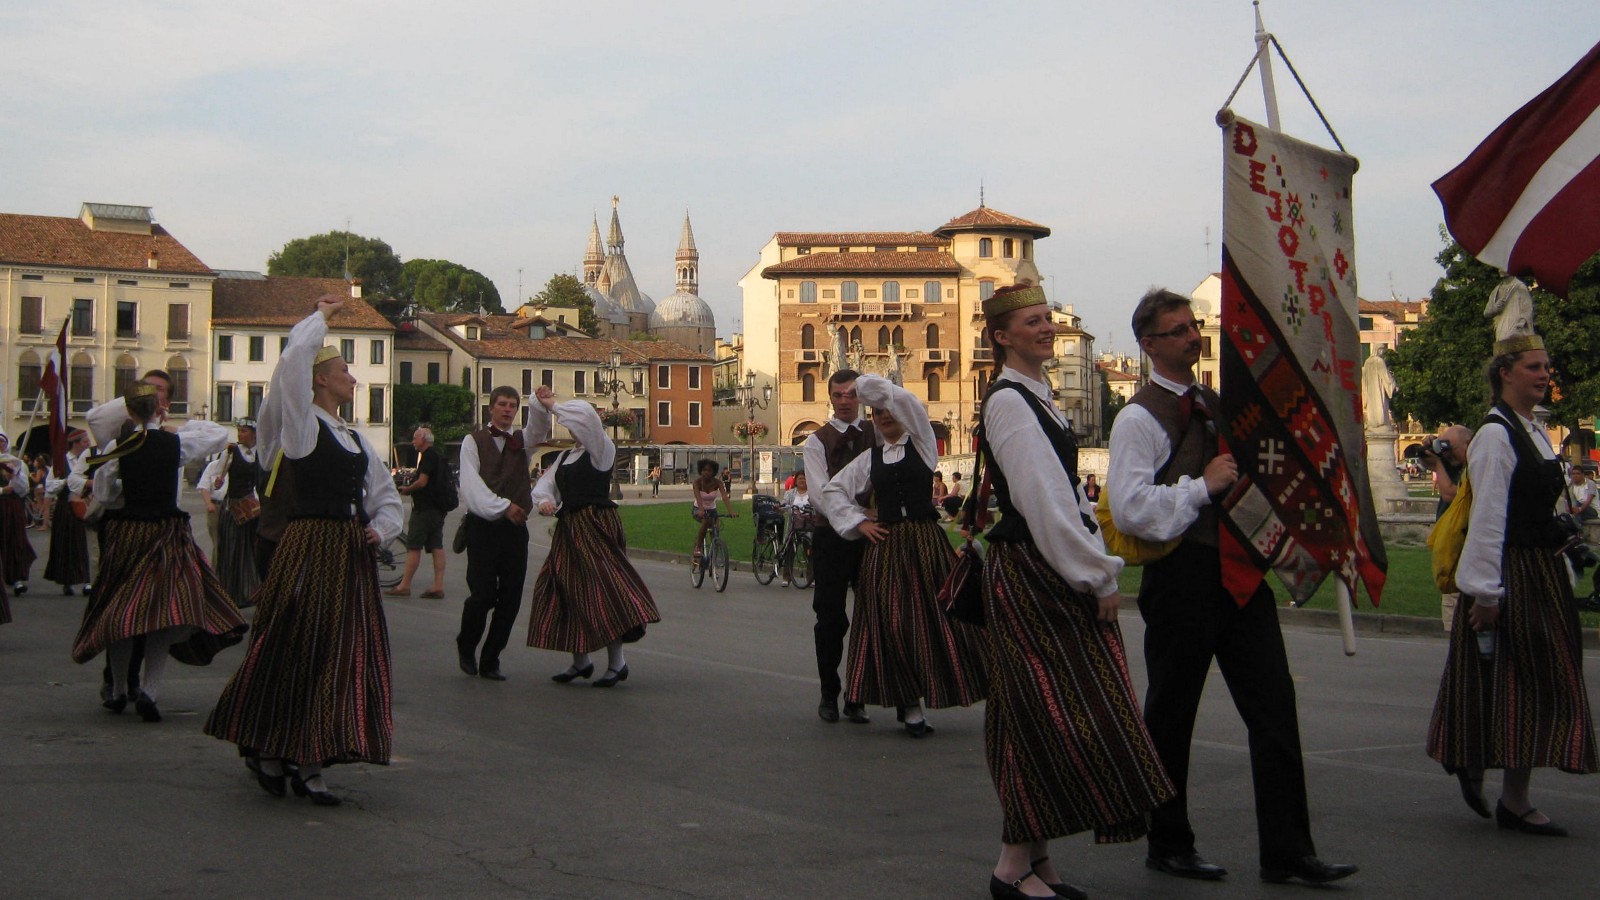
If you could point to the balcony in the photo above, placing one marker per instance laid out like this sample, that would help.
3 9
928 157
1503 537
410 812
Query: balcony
936 357
808 357
982 355
870 310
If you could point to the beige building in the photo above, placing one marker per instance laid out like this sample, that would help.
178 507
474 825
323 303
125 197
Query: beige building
136 299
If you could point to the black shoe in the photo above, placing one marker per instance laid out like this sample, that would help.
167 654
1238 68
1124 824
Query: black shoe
918 729
999 890
1063 890
1310 870
856 713
572 673
66 590
1507 819
492 673
320 798
611 677
1472 792
20 588
147 708
116 704
1187 865
272 784
828 710
468 664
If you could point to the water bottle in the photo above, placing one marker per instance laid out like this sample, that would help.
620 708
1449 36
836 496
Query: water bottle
1486 644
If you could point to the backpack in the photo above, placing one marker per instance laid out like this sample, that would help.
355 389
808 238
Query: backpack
446 495
1449 536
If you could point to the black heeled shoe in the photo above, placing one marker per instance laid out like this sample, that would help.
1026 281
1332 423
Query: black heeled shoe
1472 792
147 708
320 798
272 784
1000 890
1063 890
571 673
1509 820
611 677
916 729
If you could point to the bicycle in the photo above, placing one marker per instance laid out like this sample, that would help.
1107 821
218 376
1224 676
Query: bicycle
769 538
714 557
794 557
390 559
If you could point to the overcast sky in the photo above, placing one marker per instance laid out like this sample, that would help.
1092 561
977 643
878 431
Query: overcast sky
489 133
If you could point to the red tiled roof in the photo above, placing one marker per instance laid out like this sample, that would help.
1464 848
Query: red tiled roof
409 337
68 242
855 239
502 343
1395 309
282 300
1113 374
984 218
904 263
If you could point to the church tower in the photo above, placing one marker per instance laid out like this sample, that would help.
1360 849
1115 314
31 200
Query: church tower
684 317
688 259
594 259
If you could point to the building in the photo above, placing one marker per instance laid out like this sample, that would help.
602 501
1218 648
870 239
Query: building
1383 321
134 297
624 311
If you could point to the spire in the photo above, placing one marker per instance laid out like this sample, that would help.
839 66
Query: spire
614 238
688 260
595 257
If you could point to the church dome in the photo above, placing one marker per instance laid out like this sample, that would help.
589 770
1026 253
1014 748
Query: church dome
682 309
605 308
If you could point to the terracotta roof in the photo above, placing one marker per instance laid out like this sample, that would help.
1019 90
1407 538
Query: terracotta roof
281 301
1116 374
906 263
665 351
1399 310
984 218
409 337
855 238
68 242
502 343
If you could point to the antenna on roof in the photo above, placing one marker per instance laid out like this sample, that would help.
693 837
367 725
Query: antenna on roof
980 193
347 248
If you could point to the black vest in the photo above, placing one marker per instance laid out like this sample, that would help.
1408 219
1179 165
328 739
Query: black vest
1012 527
150 478
328 483
242 474
904 490
581 484
1536 483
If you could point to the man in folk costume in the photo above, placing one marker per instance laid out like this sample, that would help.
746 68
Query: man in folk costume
1165 481
836 561
68 563
496 488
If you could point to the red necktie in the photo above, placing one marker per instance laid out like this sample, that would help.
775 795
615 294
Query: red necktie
513 438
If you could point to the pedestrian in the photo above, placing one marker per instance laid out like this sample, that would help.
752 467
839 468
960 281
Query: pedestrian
498 493
836 560
153 581
314 687
904 651
1091 488
655 480
1513 695
68 561
1579 496
1165 480
425 530
953 495
239 516
587 595
213 490
1446 457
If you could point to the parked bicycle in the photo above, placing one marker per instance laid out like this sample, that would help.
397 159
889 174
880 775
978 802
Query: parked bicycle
714 556
769 537
390 558
794 557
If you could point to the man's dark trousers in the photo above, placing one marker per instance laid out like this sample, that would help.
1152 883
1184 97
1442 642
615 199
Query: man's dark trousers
497 566
834 562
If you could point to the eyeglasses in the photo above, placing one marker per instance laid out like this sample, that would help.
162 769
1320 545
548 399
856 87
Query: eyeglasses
1182 331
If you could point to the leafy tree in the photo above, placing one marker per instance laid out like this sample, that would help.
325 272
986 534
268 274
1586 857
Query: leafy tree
444 286
567 290
323 256
1111 403
445 408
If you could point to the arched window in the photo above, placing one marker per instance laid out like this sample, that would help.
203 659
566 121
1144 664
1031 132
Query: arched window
178 397
891 292
985 290
29 371
855 335
808 388
985 247
883 337
1008 248
932 292
933 387
933 337
80 382
808 292
124 374
849 292
898 338
808 337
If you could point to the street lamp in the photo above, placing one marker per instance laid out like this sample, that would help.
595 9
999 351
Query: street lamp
748 398
608 380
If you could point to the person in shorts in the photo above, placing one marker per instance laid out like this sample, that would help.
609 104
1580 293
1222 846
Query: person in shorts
425 530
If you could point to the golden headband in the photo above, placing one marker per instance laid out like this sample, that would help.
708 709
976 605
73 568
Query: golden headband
327 352
1000 304
141 389
1519 344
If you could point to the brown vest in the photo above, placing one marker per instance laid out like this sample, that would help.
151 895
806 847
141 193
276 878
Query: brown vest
1192 448
505 472
838 455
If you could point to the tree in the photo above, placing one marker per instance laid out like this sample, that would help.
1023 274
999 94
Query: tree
324 256
1111 403
567 291
444 286
445 408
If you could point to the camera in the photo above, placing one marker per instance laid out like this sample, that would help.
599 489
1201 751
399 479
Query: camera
1576 549
1435 446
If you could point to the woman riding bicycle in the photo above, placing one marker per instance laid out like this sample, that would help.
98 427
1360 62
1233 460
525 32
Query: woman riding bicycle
707 488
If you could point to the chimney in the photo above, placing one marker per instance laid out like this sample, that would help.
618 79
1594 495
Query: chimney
355 289
154 259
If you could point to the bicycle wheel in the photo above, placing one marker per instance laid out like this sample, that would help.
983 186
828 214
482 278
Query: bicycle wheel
764 559
800 565
697 570
719 564
391 563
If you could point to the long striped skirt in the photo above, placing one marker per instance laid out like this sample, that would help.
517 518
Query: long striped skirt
16 552
903 648
153 577
236 558
1526 706
314 687
587 594
5 606
68 562
1066 745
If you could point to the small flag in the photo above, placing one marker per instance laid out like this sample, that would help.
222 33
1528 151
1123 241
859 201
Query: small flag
54 385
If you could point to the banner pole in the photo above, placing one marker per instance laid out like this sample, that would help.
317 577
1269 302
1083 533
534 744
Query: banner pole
1347 624
1263 55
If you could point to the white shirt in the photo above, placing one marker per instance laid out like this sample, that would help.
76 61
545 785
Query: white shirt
1573 497
1491 460
480 501
197 438
580 418
840 492
214 480
76 477
1139 506
815 458
1041 491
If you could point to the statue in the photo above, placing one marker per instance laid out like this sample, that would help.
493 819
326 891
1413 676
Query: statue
1377 386
1511 306
837 352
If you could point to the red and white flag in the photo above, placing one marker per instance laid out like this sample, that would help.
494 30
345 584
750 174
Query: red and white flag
54 385
1528 199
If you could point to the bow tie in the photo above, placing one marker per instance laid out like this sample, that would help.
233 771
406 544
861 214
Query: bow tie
513 438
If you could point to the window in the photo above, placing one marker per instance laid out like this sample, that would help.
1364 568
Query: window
282 343
883 338
1008 248
694 413
32 315
898 337
663 413
180 285
405 373
855 335
375 403
1027 249
580 382
985 247
891 292
127 319
177 321
527 382
258 348
985 290
80 383
472 332
224 411
694 378
638 386
347 349
128 282
347 411
124 374
29 371
933 337
377 353
983 382
808 388
82 279
82 317
224 348
808 337
1365 322
802 251
932 292
808 292
433 373
547 377
253 395
663 377
1205 379
933 387
849 292
33 278
178 397
485 380
1205 346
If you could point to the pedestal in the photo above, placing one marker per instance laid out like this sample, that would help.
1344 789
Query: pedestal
1381 472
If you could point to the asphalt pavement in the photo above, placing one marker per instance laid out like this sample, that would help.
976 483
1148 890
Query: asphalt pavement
706 774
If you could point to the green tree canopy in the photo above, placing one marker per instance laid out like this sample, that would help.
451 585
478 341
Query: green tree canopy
445 408
444 286
1111 403
1439 366
567 290
323 256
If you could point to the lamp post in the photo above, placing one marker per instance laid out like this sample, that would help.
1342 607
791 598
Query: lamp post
748 398
950 443
608 380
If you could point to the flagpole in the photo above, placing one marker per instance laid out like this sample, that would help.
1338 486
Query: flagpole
1263 56
32 414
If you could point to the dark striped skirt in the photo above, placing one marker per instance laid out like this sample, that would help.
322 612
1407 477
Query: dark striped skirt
152 577
587 594
1066 745
903 648
1526 707
68 562
5 605
236 558
16 552
314 687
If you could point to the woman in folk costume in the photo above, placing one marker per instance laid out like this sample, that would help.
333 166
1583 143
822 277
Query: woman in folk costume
153 580
68 562
1066 745
587 595
16 553
314 689
238 517
903 649
1513 695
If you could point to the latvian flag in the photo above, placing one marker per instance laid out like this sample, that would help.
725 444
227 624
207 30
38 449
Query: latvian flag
1528 199
54 385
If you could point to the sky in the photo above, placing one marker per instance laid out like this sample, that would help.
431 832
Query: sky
489 133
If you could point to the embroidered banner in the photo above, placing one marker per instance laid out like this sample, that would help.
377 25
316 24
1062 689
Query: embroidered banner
1291 370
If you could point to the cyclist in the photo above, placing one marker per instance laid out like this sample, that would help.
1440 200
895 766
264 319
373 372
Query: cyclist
706 489
796 496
